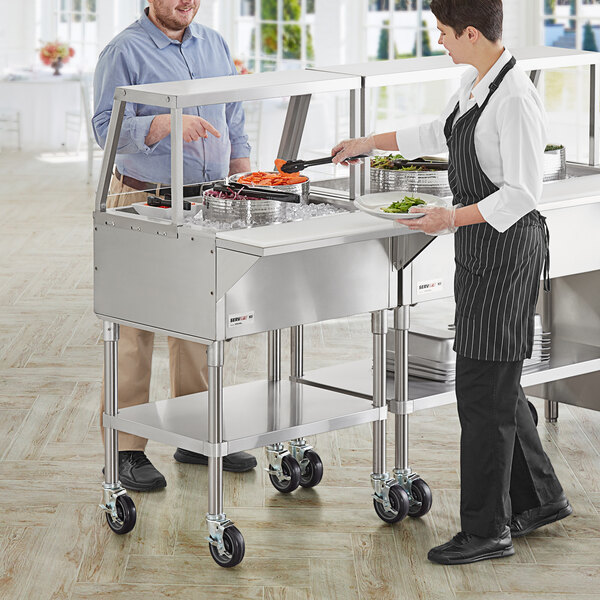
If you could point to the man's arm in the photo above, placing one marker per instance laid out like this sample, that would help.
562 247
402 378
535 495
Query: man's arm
239 165
194 128
113 71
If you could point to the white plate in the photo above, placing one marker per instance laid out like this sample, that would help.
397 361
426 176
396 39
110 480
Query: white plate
373 203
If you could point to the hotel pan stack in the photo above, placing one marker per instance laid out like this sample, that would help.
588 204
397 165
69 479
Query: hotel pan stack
430 354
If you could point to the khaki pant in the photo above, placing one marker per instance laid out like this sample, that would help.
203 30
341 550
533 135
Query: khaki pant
187 360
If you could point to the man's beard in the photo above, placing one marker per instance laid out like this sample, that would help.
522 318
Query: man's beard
168 21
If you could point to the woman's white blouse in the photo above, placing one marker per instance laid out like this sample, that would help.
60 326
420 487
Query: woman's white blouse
510 138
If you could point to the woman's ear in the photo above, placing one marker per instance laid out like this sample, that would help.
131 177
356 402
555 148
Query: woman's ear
472 34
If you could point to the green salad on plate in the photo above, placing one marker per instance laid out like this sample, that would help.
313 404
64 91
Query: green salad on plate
404 205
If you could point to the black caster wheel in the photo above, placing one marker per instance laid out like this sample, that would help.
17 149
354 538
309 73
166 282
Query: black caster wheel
313 470
400 503
421 499
291 468
234 546
125 520
534 412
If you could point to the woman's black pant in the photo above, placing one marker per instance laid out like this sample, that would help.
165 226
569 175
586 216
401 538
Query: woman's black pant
504 469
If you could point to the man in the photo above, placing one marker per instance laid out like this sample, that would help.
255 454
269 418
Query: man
494 130
165 45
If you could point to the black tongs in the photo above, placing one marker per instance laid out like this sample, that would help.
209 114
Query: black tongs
293 166
239 188
422 162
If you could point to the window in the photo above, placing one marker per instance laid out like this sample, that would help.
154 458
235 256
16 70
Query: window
571 24
275 34
75 23
401 29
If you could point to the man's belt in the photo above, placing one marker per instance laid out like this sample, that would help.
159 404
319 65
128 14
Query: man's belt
136 184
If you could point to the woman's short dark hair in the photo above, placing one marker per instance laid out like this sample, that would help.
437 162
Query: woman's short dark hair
484 15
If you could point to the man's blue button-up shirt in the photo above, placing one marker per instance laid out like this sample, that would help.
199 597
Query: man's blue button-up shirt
144 54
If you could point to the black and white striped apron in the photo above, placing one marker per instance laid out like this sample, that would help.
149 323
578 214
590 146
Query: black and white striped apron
497 274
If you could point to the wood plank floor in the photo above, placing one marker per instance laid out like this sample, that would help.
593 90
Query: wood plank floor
324 543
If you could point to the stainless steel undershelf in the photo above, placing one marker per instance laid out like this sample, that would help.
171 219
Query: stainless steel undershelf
254 414
567 359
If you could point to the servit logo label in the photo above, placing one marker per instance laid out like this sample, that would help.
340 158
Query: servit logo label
241 319
428 287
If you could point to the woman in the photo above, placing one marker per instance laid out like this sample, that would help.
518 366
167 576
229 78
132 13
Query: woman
494 131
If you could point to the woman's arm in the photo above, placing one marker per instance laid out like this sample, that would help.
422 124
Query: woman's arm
386 141
439 220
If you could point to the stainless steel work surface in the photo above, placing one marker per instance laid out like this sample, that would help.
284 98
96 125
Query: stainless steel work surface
254 414
318 232
153 278
571 192
431 68
235 88
296 288
567 359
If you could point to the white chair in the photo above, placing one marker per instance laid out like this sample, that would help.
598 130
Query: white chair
10 126
74 121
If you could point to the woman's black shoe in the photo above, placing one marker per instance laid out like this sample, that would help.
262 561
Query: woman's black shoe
531 519
137 473
466 548
237 462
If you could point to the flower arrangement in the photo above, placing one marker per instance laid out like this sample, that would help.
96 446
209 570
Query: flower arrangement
56 54
240 66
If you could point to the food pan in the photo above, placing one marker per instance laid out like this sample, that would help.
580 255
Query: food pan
302 189
433 343
434 182
555 164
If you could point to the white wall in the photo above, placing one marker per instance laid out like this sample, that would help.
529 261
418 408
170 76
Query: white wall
330 32
521 23
211 14
18 41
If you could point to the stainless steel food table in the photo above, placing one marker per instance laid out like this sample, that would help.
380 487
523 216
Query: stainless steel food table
210 286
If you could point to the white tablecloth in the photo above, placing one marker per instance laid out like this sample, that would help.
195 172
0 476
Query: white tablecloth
43 101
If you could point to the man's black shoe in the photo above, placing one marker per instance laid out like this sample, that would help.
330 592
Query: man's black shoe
238 462
137 473
531 519
466 548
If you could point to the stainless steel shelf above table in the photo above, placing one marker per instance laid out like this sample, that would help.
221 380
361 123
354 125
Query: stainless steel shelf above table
418 70
567 359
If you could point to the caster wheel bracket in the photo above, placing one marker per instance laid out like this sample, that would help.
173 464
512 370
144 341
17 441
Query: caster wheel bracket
298 450
405 478
381 486
215 535
109 500
275 455
279 474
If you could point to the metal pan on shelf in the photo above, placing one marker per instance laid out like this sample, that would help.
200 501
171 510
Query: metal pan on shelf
233 202
302 189
428 176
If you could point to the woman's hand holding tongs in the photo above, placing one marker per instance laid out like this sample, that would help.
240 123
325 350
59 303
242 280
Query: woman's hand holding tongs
353 147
